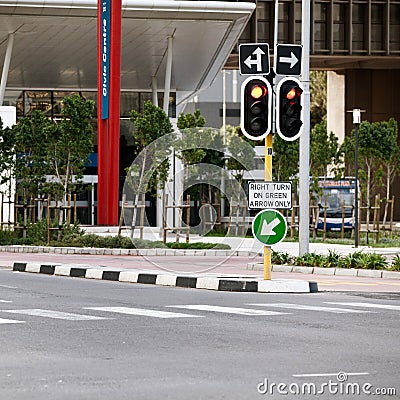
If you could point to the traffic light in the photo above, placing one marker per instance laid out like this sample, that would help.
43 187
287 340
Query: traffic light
255 108
288 109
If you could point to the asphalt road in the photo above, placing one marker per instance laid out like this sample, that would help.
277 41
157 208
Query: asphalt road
70 338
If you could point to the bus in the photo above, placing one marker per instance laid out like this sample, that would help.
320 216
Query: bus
336 203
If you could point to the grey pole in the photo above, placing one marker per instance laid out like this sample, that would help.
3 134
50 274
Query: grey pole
304 158
168 73
6 67
356 122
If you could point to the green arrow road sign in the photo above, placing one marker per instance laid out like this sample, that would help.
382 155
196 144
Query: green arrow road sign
269 227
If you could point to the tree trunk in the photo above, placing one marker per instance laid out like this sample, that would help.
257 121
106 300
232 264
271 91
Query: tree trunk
139 190
368 204
388 176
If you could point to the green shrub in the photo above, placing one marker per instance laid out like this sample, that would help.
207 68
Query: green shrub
374 261
362 260
7 237
332 260
395 266
352 260
309 260
280 258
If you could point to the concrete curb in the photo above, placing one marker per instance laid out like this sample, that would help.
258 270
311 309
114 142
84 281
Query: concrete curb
364 273
126 252
231 283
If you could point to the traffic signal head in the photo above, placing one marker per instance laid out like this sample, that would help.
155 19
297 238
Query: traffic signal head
255 121
288 109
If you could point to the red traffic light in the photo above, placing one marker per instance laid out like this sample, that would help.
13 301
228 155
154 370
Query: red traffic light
258 91
255 107
294 92
289 108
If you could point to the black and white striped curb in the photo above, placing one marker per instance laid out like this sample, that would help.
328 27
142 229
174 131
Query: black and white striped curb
231 283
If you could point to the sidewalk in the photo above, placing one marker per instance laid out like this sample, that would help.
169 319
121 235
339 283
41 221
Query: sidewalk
239 269
251 245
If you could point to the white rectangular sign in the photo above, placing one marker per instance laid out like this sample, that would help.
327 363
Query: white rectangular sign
275 195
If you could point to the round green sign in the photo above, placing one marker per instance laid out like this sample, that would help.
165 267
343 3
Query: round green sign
269 227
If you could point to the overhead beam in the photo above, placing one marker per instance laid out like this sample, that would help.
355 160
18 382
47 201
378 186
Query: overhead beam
6 67
168 75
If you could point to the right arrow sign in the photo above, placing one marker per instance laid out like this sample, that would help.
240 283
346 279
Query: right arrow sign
288 59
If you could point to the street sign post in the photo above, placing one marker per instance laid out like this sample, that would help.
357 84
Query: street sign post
254 59
287 59
269 227
270 195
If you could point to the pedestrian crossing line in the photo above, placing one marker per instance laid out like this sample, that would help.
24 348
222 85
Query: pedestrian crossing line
10 321
37 312
227 310
366 305
335 310
143 312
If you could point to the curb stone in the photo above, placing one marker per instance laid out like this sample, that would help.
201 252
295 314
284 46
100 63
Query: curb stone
364 273
127 252
195 281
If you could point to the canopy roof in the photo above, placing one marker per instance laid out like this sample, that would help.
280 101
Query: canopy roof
55 43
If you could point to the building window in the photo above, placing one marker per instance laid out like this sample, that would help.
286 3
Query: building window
298 20
320 26
360 12
377 27
129 102
283 25
50 102
395 27
265 20
339 26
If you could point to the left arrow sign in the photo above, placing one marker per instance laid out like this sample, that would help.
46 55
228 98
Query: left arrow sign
258 61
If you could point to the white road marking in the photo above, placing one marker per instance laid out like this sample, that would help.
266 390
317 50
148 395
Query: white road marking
309 308
37 312
227 310
143 312
333 374
10 321
366 305
8 287
5 301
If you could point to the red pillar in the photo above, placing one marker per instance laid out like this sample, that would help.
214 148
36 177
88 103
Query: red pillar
109 128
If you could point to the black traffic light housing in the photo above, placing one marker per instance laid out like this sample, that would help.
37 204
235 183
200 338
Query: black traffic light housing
255 111
289 121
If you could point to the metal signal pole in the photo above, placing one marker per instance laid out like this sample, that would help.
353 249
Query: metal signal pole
304 158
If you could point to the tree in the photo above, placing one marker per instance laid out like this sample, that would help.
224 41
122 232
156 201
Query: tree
390 159
324 150
193 139
198 144
31 137
7 157
70 145
285 159
239 151
377 143
153 137
150 125
318 94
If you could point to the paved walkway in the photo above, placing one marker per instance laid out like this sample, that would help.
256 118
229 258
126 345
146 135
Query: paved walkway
220 265
252 245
